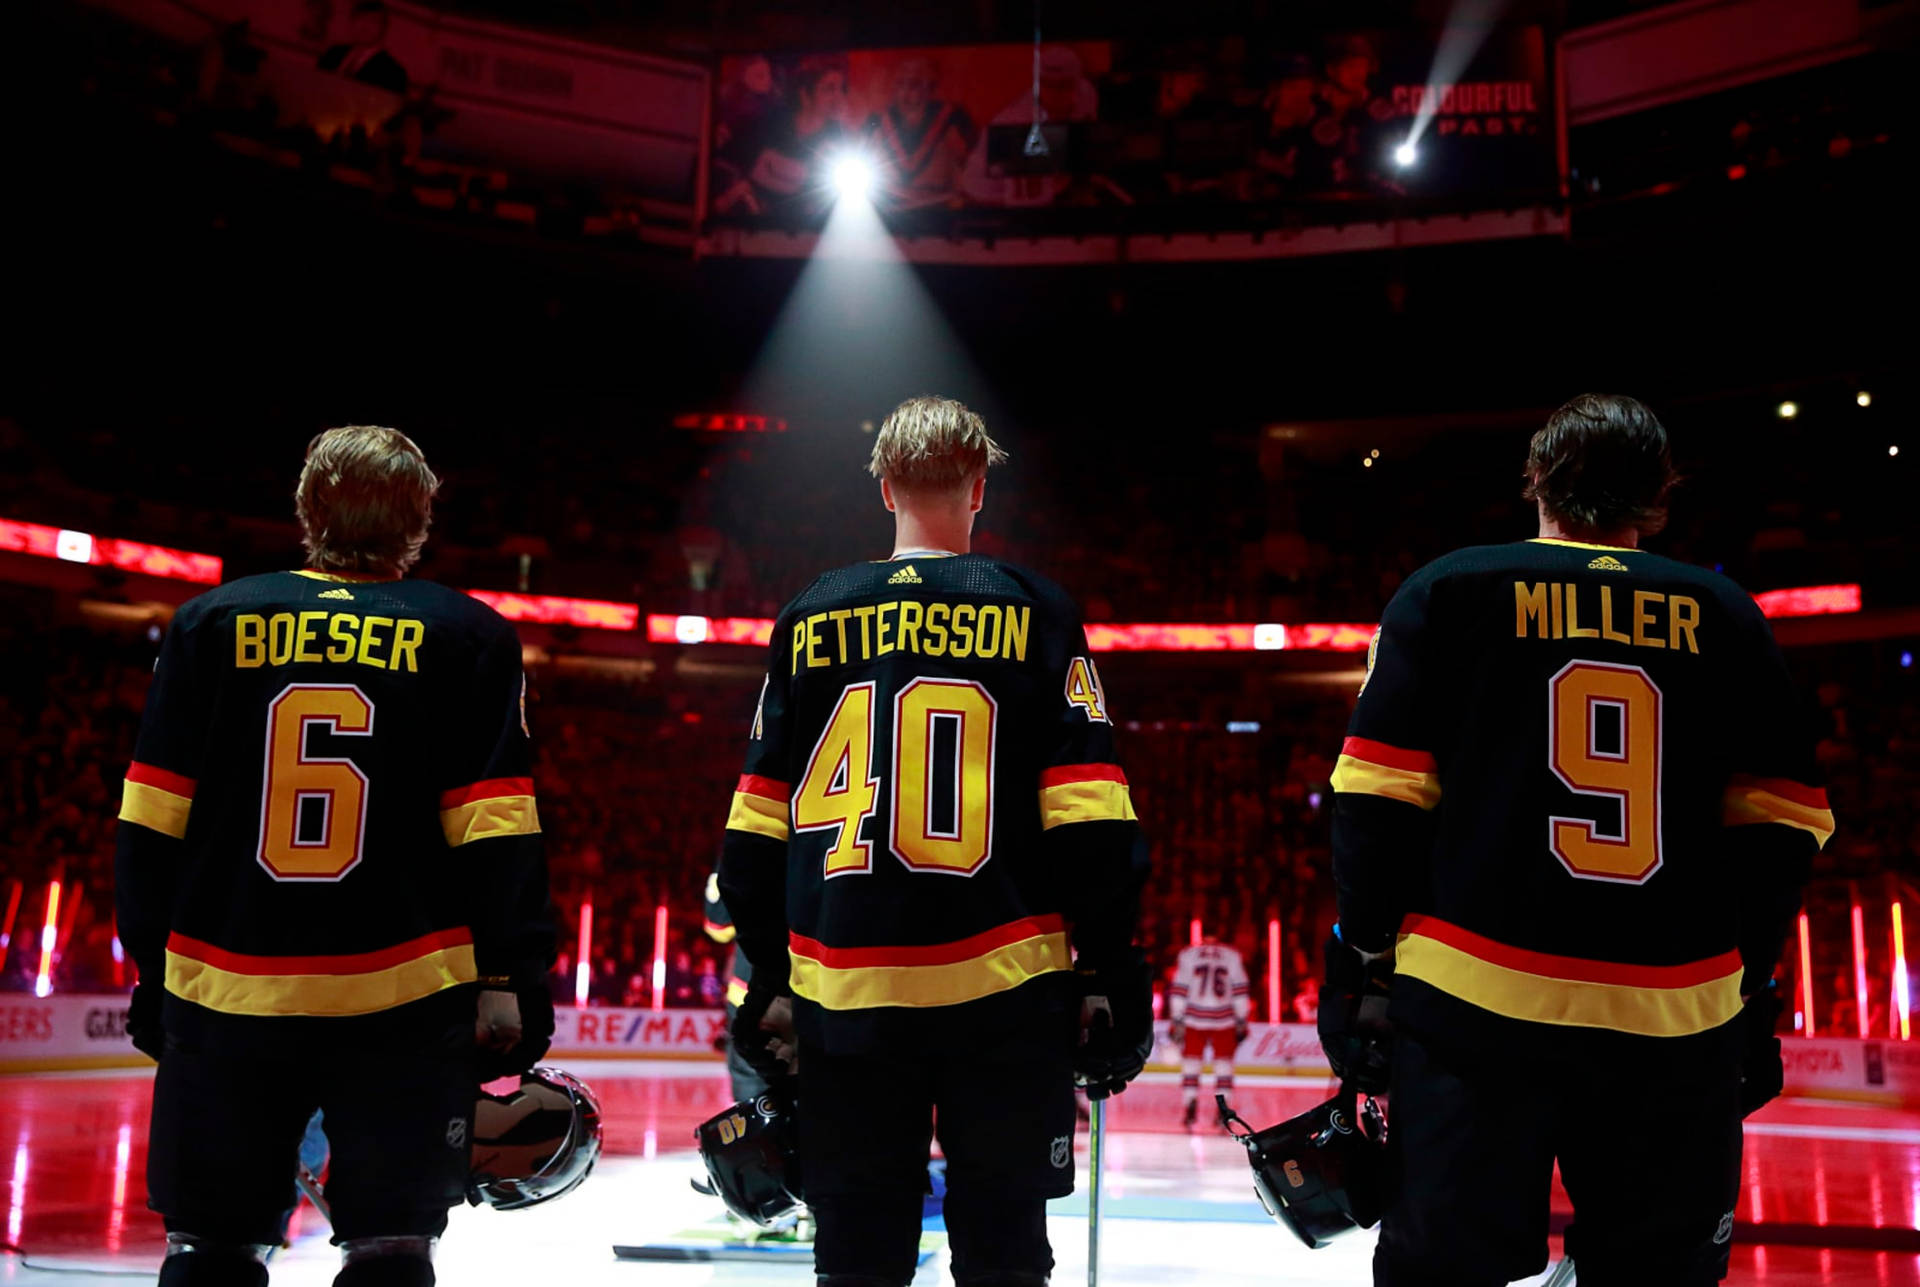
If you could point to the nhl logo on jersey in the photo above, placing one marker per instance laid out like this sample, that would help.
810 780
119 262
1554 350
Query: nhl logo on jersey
457 1133
1062 1154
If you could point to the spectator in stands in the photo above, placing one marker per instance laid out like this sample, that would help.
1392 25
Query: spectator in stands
790 171
921 142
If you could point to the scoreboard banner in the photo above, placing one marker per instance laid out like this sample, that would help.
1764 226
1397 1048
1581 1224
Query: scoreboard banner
1274 121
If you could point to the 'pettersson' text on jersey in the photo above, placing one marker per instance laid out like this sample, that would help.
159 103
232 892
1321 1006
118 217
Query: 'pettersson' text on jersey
330 818
932 813
1577 797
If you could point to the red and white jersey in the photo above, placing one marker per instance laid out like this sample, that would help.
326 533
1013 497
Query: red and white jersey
1209 987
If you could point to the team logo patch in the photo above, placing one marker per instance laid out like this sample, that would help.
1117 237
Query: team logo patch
524 730
1373 655
1724 1234
1607 563
1062 1154
457 1133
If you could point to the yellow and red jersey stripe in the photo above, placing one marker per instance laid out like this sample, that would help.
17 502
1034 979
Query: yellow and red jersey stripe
332 986
496 807
736 992
720 933
1366 767
760 806
157 799
1084 793
1648 1000
1751 800
860 978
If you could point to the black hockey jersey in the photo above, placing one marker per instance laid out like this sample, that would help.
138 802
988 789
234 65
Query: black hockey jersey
932 813
719 927
329 830
1578 795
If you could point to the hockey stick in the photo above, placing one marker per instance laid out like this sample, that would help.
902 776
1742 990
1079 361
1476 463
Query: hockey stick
309 1186
1562 1275
1096 1150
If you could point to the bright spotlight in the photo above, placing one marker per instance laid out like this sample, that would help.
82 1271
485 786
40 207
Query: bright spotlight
852 176
1863 398
1787 410
1406 154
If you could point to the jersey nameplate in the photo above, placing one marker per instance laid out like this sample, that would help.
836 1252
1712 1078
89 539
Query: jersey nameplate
1555 610
384 643
986 632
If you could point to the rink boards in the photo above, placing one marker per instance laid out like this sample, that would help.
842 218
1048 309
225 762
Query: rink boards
67 1032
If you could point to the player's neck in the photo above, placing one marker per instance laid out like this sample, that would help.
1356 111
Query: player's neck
932 533
1552 529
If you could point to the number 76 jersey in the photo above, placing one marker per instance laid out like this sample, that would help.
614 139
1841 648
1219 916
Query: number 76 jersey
932 806
1578 795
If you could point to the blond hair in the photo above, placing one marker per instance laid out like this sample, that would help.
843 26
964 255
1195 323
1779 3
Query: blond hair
365 501
930 444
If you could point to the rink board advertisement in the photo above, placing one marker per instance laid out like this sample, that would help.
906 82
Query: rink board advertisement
80 1031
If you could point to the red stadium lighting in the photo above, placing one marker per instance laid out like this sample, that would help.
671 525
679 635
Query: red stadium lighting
1860 966
1902 995
660 957
49 933
41 541
755 631
551 610
1806 977
1273 970
16 888
583 966
1809 601
1193 930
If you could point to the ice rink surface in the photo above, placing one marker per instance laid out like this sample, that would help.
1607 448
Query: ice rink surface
1179 1204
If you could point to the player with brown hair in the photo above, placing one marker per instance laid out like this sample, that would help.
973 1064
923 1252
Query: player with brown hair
1571 826
932 859
330 876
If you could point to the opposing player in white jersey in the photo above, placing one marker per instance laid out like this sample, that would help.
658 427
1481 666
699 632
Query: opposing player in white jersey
1209 1004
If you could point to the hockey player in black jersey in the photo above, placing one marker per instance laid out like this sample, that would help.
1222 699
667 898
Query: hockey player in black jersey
747 1084
1571 828
931 857
330 876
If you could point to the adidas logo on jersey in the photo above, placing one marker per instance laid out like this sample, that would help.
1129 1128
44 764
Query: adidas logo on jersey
905 576
1607 563
340 593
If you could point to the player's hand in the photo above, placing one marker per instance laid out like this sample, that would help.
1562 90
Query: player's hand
1354 1031
1240 1030
1763 1073
143 1021
1116 1026
1177 1031
496 1023
763 1033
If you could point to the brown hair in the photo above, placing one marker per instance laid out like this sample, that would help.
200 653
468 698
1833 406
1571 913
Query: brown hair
1602 462
929 443
365 501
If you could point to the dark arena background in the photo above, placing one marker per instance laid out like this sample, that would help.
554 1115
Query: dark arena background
1265 311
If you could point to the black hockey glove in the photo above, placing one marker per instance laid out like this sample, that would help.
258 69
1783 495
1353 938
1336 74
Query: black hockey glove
757 1045
143 1021
536 1033
1763 1075
1354 1030
1115 1038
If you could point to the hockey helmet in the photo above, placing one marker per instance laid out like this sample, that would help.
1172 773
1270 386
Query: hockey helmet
1321 1174
534 1143
752 1156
